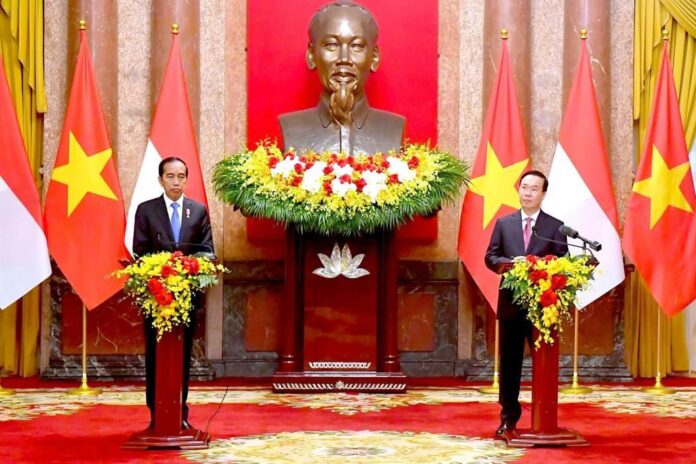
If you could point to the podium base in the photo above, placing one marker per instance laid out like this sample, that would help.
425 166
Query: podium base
339 381
525 438
187 439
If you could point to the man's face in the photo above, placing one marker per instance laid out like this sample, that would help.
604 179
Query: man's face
343 50
173 179
531 192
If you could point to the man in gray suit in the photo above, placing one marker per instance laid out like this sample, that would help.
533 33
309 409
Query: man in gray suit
343 49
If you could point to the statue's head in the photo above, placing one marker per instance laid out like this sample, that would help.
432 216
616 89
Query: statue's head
343 49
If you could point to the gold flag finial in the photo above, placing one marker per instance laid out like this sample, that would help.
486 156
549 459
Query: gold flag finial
83 24
665 34
504 34
175 28
583 33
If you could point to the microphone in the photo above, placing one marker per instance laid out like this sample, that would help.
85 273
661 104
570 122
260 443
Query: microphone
546 239
572 233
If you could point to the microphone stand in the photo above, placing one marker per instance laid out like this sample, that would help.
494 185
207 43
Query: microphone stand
84 389
575 388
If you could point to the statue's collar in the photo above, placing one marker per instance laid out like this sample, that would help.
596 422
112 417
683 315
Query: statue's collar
359 113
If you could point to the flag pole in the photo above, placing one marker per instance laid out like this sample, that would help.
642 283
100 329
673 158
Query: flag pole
5 391
575 387
494 387
84 389
658 388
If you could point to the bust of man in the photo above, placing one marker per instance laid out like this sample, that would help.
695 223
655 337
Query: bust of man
343 50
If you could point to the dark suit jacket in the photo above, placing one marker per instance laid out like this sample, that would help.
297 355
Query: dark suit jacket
153 231
507 242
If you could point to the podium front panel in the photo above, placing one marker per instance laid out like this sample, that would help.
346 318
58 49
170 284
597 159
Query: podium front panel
340 314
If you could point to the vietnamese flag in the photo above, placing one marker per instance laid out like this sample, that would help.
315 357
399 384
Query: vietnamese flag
84 213
660 230
500 161
172 134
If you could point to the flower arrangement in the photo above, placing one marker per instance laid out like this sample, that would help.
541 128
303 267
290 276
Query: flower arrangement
163 285
547 288
334 193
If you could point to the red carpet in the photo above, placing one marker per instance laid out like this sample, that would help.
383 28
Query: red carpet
441 425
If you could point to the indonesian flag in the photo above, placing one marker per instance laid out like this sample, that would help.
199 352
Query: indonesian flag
580 191
172 134
84 213
24 252
660 230
500 161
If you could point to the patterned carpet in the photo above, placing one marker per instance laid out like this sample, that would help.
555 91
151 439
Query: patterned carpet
252 425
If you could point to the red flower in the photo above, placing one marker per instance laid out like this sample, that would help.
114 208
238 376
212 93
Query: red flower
558 282
537 275
303 158
289 154
531 259
393 179
296 181
167 271
345 179
298 168
309 164
334 156
176 255
328 170
272 161
164 298
413 162
342 162
548 298
549 258
327 188
154 286
191 265
360 184
385 164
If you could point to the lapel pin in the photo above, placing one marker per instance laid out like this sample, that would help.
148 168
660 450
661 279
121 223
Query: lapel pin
188 213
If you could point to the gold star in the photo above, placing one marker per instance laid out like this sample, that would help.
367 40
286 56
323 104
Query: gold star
663 187
82 174
497 185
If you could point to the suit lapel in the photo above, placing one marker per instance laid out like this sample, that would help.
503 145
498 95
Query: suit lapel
536 243
519 238
185 222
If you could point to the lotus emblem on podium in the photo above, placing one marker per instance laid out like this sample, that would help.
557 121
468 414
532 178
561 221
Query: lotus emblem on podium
342 263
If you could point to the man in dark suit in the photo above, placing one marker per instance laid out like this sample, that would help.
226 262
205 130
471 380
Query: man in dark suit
171 222
519 234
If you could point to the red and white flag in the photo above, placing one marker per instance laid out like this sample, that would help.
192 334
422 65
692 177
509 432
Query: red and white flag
24 252
580 191
171 134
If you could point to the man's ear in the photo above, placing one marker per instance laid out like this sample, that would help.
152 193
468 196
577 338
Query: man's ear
309 57
375 59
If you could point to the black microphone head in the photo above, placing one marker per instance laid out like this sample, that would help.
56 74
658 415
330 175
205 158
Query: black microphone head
568 231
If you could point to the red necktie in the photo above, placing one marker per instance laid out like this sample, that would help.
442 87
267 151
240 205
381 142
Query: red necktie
527 232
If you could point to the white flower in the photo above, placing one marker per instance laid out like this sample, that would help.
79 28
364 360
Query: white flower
401 169
341 188
339 171
312 177
375 183
285 167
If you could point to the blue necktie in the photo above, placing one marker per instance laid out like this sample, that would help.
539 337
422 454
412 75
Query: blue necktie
176 223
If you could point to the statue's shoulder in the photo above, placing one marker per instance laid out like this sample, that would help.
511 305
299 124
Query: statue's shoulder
387 117
299 118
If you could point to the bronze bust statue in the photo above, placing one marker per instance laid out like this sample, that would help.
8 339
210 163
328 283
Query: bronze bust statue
343 49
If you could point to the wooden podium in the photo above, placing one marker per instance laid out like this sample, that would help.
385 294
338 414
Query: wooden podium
545 430
167 431
339 333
